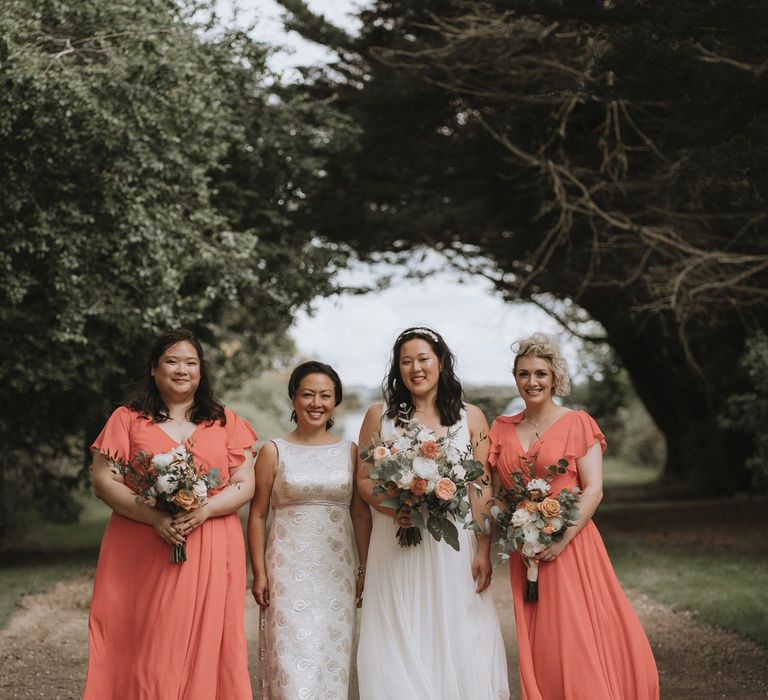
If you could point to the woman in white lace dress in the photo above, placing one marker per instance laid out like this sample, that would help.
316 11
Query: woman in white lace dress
429 628
306 582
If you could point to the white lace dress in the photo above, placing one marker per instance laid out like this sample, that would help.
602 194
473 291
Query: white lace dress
425 634
306 633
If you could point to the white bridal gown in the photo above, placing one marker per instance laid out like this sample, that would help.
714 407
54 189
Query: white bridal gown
425 634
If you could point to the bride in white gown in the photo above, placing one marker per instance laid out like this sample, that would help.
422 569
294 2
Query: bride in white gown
429 629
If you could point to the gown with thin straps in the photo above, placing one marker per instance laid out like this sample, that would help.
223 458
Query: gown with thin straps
424 632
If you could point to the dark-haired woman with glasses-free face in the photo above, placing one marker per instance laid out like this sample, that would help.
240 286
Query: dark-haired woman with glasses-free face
159 629
305 577
429 627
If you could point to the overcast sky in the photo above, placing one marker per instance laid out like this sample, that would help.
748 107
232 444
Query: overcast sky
355 333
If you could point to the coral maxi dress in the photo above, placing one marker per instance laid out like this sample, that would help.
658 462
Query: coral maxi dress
582 639
163 631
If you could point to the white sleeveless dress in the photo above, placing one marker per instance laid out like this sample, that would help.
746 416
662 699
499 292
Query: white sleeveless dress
425 634
306 633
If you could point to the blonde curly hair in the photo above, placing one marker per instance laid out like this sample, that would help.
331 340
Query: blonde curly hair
543 346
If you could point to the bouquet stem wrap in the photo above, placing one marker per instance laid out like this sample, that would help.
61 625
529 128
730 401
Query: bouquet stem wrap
408 536
178 553
531 581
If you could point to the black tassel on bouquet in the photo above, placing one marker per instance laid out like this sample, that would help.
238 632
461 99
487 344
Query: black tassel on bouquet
531 580
408 536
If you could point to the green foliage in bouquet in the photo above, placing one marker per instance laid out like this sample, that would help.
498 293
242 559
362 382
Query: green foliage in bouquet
429 477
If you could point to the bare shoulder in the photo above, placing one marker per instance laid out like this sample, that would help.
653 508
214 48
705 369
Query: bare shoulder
475 417
374 412
371 424
268 453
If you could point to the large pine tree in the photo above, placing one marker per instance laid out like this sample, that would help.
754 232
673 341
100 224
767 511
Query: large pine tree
609 153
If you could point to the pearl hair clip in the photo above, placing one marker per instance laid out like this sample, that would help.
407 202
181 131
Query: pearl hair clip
422 331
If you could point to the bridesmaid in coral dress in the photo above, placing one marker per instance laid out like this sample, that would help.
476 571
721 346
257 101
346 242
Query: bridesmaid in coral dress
159 630
582 639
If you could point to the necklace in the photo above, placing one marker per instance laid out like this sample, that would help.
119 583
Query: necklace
534 423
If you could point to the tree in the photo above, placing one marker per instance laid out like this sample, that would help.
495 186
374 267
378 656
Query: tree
608 153
749 411
150 179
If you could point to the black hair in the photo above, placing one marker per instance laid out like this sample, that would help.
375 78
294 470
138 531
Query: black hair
146 399
314 367
450 396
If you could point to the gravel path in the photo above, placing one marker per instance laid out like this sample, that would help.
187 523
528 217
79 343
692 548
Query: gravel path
43 650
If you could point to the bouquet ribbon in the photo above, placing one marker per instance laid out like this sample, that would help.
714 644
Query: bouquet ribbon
531 580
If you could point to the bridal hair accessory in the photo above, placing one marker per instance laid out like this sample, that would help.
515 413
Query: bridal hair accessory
422 331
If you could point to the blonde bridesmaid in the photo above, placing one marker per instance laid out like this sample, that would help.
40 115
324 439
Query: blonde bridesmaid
582 639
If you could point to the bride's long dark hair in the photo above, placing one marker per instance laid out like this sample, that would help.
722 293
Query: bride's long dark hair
450 395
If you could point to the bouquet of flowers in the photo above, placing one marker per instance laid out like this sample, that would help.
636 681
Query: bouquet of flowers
169 481
534 519
427 475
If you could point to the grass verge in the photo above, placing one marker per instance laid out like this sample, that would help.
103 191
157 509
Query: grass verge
19 580
50 552
723 587
620 472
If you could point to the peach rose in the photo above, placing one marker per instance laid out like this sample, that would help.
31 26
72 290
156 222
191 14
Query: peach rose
549 507
445 489
418 487
531 506
380 453
429 449
185 499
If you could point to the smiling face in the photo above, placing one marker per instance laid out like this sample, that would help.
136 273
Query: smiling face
177 374
534 379
419 367
314 401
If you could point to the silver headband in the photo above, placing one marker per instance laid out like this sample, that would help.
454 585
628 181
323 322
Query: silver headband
422 331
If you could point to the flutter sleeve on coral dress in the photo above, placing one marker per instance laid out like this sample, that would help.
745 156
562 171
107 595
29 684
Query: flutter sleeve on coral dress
163 631
582 640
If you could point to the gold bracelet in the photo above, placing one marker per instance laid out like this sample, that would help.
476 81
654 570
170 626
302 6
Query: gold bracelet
361 571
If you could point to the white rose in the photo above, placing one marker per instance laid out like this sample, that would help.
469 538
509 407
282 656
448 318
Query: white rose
459 472
557 523
531 549
402 443
531 535
520 517
424 435
201 490
166 484
453 455
426 469
162 461
538 485
406 479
